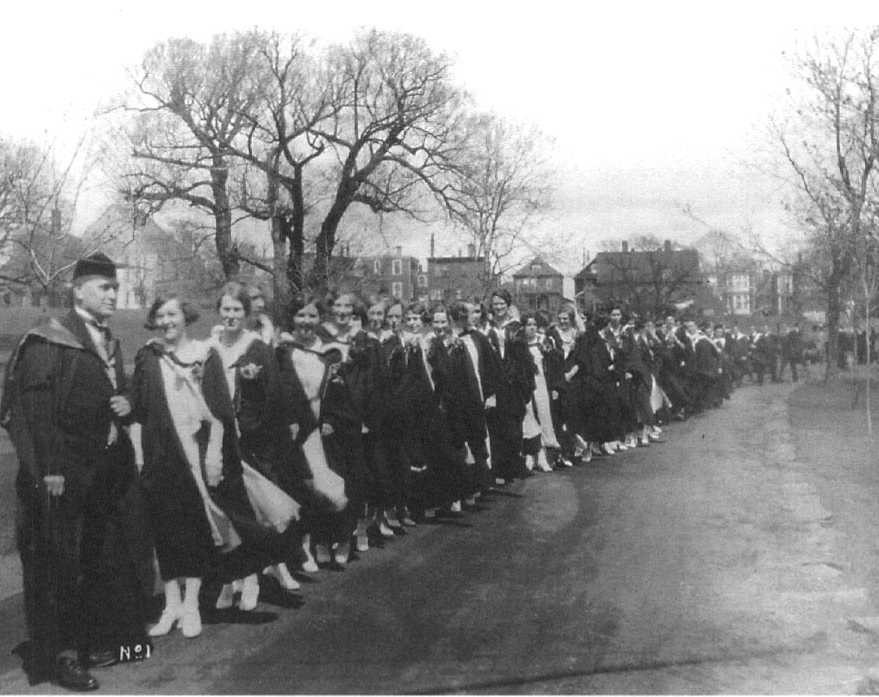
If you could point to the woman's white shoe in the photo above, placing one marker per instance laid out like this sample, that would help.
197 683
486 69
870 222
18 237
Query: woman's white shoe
249 594
170 616
226 599
282 574
190 623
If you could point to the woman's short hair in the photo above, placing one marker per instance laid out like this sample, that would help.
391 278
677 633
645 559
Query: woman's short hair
190 313
416 307
299 301
438 307
459 311
237 291
569 311
358 307
503 294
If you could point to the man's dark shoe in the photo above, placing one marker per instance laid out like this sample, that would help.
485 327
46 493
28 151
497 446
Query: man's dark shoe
69 673
102 659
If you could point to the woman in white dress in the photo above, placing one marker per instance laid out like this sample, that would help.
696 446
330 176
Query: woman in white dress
202 516
537 428
320 412
254 387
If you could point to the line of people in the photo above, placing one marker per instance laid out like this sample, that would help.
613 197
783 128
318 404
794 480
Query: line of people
259 451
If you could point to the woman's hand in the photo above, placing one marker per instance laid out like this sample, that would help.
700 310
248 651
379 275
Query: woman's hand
327 430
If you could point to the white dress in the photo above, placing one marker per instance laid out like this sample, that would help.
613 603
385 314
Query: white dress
310 370
538 417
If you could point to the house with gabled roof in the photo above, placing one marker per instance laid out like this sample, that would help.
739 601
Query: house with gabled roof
648 282
538 286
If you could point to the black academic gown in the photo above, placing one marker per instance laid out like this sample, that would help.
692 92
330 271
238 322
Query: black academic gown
86 554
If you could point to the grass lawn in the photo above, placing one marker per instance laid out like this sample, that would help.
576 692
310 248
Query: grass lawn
127 326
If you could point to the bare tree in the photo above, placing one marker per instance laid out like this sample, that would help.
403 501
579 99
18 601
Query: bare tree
395 135
195 102
829 145
280 150
37 202
501 188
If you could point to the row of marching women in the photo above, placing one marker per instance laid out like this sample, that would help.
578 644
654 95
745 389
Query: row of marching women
262 451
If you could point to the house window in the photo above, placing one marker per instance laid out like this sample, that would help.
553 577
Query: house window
549 284
397 267
397 289
459 294
377 266
436 294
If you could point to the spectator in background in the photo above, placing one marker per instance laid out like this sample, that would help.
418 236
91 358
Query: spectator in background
791 352
260 319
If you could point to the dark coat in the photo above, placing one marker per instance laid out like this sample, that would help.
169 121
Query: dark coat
85 555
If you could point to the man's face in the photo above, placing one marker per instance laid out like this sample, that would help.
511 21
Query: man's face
691 328
97 296
615 317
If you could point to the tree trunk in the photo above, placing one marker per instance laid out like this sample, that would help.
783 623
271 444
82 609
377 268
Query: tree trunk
323 248
296 232
834 310
223 219
868 357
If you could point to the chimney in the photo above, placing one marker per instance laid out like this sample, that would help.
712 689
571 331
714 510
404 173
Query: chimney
459 253
471 250
625 246
667 245
399 251
432 246
56 221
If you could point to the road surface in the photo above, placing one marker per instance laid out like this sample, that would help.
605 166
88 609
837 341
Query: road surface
704 564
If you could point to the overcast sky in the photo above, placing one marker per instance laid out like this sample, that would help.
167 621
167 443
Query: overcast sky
652 105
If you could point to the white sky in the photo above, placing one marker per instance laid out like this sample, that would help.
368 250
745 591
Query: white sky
651 105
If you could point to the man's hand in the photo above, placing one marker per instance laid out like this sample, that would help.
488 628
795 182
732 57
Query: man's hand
294 431
554 394
214 479
491 402
54 484
120 406
327 429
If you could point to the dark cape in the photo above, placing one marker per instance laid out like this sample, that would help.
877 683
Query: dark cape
184 544
85 555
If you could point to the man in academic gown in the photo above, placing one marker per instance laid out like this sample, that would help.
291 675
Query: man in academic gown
82 543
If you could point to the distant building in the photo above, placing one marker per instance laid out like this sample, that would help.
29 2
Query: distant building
457 278
150 259
395 275
538 286
644 281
